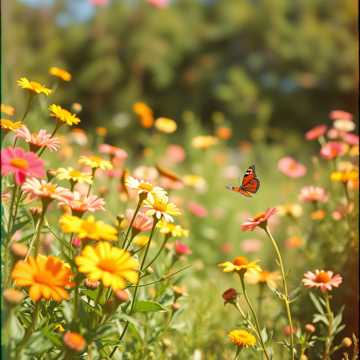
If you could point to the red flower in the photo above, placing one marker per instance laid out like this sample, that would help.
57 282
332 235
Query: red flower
340 115
229 295
259 220
182 249
332 149
316 132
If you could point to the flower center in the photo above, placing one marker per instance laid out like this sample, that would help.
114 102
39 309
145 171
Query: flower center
292 166
322 277
107 265
19 163
240 260
49 188
75 173
146 186
44 278
259 216
89 227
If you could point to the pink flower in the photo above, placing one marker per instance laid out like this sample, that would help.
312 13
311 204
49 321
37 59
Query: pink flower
181 249
351 139
316 132
38 140
288 330
21 164
175 154
142 222
332 149
113 151
251 245
158 3
291 168
98 2
45 190
197 209
324 280
313 194
80 203
259 220
340 115
226 248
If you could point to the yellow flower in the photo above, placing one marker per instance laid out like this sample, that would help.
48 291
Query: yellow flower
165 125
7 109
263 277
345 176
113 266
141 240
240 264
172 229
95 162
195 181
354 151
33 86
291 210
204 142
242 338
9 125
47 277
73 175
144 187
87 228
63 115
60 73
161 208
145 114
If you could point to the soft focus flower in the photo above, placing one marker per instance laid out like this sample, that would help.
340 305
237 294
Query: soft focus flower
95 162
204 141
175 153
80 203
160 208
291 210
291 168
33 86
197 209
158 3
344 125
181 249
332 149
165 125
313 194
251 245
242 338
78 136
141 240
172 229
38 140
195 181
144 187
310 328
13 296
223 133
9 125
147 173
288 330
263 277
346 342
259 220
345 176
113 151
240 264
60 73
7 110
47 277
19 250
142 222
316 132
73 175
63 115
87 228
114 267
36 188
351 139
99 2
229 295
324 280
340 115
144 113
74 341
21 163
294 242
318 215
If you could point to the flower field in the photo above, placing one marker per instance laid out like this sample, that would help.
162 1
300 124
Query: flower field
162 236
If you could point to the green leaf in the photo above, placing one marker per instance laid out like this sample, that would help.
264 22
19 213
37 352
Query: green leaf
148 306
316 303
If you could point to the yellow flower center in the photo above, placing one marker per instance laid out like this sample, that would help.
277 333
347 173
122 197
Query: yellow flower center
322 277
75 173
259 216
107 265
240 261
19 163
43 278
36 86
146 186
49 188
264 275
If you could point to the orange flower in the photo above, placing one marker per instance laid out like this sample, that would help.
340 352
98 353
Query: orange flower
74 341
144 113
60 73
223 133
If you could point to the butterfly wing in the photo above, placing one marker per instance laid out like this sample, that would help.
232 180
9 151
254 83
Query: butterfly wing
252 186
249 175
239 189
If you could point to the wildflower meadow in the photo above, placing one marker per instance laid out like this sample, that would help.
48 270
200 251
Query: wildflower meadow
163 234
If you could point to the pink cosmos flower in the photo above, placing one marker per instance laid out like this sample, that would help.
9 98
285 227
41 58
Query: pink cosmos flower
182 249
80 203
113 151
313 194
197 209
291 168
332 149
175 154
351 139
259 220
21 164
324 280
340 115
316 132
42 189
158 3
142 222
251 245
38 140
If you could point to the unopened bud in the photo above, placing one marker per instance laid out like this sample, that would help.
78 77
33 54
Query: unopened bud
229 295
19 250
310 328
13 296
122 296
91 284
175 306
346 342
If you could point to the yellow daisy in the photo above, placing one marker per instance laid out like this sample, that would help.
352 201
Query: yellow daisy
7 109
60 73
63 115
113 266
144 187
9 125
242 338
95 162
33 86
161 208
204 142
172 229
165 125
87 228
73 175
240 264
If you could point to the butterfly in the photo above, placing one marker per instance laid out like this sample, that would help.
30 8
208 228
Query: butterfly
250 183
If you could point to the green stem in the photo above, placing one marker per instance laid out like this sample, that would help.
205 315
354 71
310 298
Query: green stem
11 211
35 239
141 199
166 238
330 317
260 299
286 295
258 331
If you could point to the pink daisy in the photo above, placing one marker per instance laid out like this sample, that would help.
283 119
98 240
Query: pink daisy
324 280
351 139
197 209
158 3
291 168
175 153
142 222
80 203
38 140
259 220
315 132
313 194
21 163
340 115
113 151
332 149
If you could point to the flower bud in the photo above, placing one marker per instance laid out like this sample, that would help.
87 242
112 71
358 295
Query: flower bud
310 328
346 342
74 341
91 284
122 296
19 250
175 306
229 295
13 296
303 357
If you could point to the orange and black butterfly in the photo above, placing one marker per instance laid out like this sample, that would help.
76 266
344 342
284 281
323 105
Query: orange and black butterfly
250 184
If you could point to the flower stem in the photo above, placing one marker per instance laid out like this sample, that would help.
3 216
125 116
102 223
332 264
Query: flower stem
286 297
131 223
258 331
36 237
166 238
330 317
